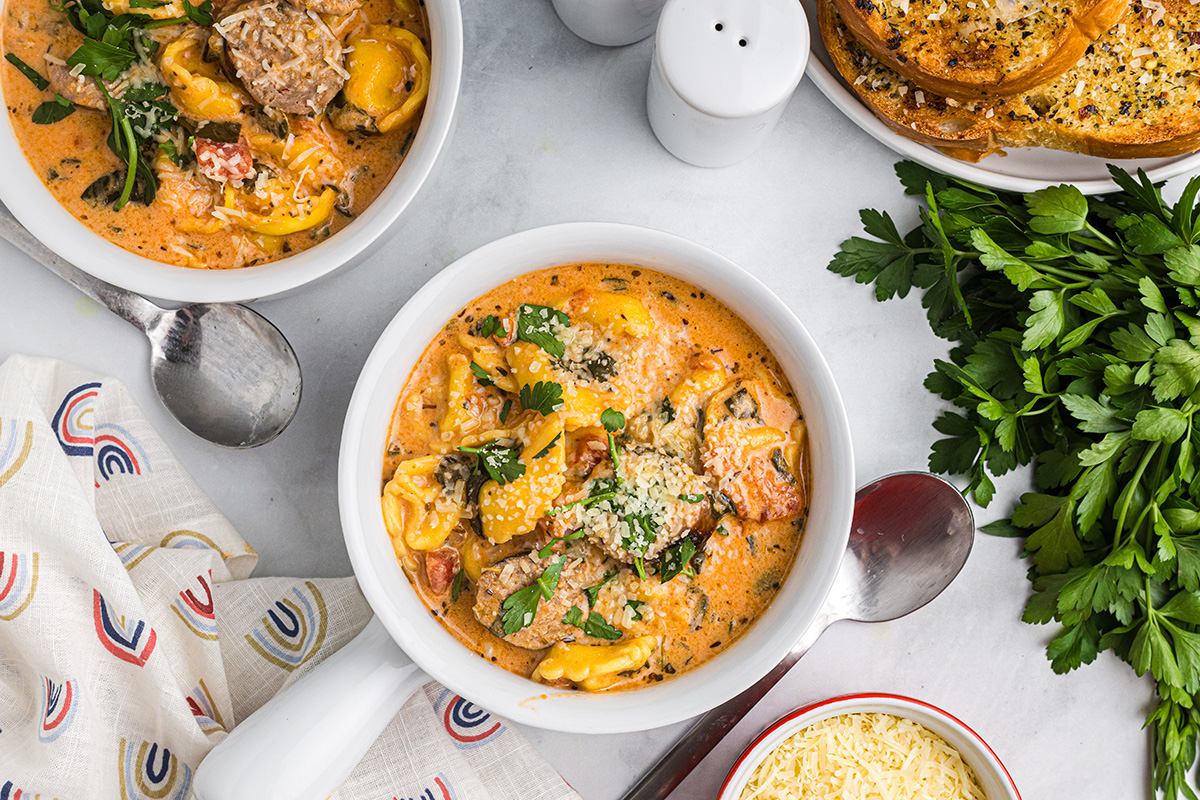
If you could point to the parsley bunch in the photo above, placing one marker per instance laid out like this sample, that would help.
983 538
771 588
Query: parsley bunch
1076 324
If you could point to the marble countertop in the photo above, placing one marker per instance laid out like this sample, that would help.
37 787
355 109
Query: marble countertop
552 129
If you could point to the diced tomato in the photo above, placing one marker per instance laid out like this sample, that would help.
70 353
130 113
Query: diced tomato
441 567
224 161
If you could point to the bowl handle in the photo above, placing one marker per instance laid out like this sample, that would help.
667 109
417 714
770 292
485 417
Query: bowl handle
303 743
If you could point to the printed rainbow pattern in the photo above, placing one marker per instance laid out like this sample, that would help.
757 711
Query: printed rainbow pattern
73 421
441 790
12 456
289 638
207 715
468 725
132 554
133 646
149 772
18 582
190 540
59 701
119 452
195 613
9 791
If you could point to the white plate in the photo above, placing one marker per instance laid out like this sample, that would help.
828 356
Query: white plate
1024 169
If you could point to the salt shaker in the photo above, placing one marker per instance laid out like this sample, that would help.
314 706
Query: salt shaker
610 22
722 73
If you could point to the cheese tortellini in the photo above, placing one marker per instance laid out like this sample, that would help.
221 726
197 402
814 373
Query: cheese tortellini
388 80
197 86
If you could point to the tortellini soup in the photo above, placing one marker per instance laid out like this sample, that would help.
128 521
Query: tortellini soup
596 477
220 133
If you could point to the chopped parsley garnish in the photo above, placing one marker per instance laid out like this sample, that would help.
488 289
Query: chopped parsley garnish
457 587
504 411
481 375
636 605
546 450
29 72
692 498
520 607
548 548
535 325
593 592
53 110
544 397
675 560
612 420
595 625
640 565
502 464
641 533
601 489
492 326
101 58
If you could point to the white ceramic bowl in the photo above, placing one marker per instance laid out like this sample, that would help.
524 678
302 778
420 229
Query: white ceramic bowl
32 204
994 779
440 654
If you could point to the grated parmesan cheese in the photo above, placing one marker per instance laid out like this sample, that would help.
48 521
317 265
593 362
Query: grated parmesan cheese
863 757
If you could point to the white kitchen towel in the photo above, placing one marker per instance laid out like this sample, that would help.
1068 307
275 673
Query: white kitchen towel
132 638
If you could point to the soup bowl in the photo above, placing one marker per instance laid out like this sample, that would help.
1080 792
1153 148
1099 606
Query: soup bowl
383 675
23 192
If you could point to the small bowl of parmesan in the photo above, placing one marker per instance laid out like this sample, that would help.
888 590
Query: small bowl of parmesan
869 747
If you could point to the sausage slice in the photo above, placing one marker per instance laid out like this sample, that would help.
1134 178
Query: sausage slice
286 57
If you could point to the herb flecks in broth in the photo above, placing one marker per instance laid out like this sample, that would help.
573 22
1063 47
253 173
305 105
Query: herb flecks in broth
596 477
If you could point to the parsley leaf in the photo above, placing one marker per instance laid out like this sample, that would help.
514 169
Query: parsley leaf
481 375
492 326
508 404
29 72
593 592
675 559
535 324
636 605
595 625
692 498
200 14
502 464
544 397
457 586
520 607
612 420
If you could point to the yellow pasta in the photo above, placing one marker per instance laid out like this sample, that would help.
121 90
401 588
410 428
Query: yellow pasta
582 406
384 62
197 87
414 506
594 667
615 311
513 508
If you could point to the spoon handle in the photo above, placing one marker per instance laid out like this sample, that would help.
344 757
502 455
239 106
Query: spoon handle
710 729
133 308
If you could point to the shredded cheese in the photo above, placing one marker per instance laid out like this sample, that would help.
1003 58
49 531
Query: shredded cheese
863 757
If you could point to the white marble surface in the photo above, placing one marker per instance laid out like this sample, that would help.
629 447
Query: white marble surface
552 129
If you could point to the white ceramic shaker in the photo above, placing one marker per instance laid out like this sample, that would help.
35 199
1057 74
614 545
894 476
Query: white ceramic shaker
722 73
610 22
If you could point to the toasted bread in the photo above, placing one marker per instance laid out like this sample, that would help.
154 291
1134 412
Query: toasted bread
972 48
1134 94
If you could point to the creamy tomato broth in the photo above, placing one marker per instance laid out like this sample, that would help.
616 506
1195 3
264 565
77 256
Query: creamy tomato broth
253 137
596 476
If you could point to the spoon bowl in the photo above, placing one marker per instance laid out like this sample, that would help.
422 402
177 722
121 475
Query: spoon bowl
225 372
911 535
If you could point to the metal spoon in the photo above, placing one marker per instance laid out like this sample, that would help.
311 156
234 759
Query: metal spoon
910 536
224 371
